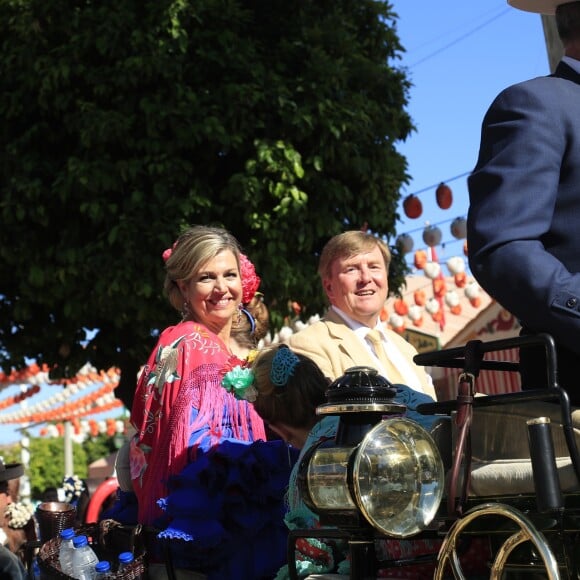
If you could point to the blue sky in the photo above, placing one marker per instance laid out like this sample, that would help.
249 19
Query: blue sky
459 55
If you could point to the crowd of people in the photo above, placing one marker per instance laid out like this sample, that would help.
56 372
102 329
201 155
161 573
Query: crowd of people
220 428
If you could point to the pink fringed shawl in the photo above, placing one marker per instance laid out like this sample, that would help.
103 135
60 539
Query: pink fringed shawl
182 374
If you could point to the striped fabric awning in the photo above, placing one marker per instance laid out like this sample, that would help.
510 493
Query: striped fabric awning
488 382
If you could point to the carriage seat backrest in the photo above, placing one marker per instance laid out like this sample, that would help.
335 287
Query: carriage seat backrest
501 462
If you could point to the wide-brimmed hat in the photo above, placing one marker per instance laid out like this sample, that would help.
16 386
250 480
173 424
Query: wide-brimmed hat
10 471
538 6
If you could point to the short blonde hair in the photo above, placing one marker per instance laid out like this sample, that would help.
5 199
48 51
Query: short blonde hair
349 244
194 248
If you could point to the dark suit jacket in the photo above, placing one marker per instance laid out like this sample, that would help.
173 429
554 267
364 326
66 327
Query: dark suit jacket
524 216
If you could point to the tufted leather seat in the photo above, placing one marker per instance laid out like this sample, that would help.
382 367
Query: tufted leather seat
501 462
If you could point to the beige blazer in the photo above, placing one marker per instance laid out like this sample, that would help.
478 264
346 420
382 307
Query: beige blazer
334 347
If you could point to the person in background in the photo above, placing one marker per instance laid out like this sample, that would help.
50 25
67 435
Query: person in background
11 565
184 420
353 268
524 210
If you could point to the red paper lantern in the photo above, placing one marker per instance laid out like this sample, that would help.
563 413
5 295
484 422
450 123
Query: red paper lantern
444 196
412 207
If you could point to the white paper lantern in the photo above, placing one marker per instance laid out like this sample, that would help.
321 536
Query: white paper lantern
472 290
451 298
432 306
456 265
432 270
415 312
395 320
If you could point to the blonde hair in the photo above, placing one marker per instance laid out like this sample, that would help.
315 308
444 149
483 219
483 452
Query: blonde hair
194 248
294 403
242 326
349 244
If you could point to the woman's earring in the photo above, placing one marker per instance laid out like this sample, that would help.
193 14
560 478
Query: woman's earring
185 311
240 309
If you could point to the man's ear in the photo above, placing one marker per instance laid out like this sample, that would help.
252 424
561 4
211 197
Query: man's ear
327 285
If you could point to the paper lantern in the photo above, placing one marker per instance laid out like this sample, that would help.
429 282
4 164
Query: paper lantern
412 206
432 270
444 196
419 297
460 279
397 323
472 290
439 287
432 306
432 236
400 307
405 243
451 298
459 228
420 259
416 314
456 265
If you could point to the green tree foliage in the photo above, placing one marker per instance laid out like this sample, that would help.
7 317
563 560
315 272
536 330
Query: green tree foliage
125 120
46 467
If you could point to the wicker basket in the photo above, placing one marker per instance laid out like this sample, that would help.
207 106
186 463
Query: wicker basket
53 517
108 539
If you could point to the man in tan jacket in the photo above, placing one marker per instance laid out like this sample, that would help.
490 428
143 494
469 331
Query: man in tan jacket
354 268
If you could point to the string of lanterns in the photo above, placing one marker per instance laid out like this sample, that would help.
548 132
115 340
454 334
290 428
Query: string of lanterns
59 406
432 235
442 297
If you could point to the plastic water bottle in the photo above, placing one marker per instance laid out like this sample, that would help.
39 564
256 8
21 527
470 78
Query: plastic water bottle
125 560
66 550
35 569
84 559
103 570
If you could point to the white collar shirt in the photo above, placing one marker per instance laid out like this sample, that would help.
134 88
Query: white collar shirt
400 362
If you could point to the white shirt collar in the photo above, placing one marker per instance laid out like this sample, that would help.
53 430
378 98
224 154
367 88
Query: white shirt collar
359 329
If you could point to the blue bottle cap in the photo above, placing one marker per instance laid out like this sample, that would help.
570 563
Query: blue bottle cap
103 566
80 541
67 534
125 557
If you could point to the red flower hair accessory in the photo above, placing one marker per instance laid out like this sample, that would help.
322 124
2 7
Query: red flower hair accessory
167 253
250 280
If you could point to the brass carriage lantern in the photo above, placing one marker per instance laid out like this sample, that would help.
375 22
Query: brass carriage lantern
382 471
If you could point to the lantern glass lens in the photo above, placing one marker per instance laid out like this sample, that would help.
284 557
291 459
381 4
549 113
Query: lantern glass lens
398 477
327 479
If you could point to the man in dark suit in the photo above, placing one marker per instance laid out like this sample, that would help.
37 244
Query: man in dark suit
524 215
